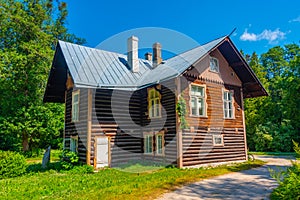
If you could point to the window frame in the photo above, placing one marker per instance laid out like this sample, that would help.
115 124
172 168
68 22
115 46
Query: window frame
218 64
74 141
146 135
150 100
162 144
226 101
214 136
197 98
73 118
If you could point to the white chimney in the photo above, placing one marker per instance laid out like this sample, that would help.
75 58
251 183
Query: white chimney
132 53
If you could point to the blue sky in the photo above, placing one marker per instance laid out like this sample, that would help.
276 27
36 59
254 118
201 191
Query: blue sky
260 24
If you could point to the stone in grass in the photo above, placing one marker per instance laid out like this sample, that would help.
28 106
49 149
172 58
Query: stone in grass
46 158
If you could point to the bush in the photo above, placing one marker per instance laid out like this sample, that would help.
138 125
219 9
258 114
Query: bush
69 159
11 164
289 187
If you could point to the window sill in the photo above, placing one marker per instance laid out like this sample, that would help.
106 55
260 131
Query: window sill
148 154
159 117
199 116
214 72
229 118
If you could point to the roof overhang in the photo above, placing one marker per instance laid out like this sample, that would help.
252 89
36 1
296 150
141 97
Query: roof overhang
56 85
252 87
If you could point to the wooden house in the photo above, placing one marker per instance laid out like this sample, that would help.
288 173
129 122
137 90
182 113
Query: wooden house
120 107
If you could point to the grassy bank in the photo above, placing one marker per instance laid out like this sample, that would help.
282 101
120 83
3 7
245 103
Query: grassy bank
108 183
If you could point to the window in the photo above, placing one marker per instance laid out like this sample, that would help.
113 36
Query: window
154 103
198 100
214 64
148 143
159 144
218 140
75 106
228 104
66 143
74 144
154 143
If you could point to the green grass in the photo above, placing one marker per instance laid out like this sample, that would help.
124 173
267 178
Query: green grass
108 183
54 157
273 153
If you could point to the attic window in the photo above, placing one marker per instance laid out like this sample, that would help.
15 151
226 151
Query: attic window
214 64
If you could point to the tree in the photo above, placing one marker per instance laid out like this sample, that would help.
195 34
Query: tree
29 30
273 121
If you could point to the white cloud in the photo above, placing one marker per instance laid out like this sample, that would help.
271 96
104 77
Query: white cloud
295 20
269 35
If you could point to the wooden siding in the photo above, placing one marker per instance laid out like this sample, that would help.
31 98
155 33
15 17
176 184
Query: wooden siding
125 129
77 128
167 123
197 141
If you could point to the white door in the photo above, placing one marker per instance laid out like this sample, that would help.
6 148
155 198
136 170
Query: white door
102 144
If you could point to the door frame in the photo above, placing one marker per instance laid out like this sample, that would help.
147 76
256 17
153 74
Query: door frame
95 150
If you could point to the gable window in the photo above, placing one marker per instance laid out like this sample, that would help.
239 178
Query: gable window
159 140
148 143
228 104
74 144
214 64
75 106
198 100
154 107
218 140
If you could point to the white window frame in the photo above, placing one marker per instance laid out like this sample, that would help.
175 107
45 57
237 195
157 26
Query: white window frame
197 97
228 102
74 112
217 69
65 141
219 136
162 149
146 137
74 144
154 105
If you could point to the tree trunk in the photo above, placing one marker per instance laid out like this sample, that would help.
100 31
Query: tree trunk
25 142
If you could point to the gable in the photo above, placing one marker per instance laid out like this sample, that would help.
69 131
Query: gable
226 74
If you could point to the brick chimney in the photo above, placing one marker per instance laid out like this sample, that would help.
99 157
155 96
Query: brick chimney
148 56
132 53
156 54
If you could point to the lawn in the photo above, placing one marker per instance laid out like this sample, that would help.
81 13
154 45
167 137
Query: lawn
108 183
54 156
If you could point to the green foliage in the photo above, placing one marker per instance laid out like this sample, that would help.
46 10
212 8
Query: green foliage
69 159
107 183
29 31
11 164
82 169
289 187
272 122
182 111
296 149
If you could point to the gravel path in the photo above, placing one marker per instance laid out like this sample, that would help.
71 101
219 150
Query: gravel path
249 184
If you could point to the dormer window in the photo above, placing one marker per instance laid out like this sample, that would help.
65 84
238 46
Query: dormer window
214 64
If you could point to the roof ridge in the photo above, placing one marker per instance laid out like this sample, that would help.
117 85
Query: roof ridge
223 37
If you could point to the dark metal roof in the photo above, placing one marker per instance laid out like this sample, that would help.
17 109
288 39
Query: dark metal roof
94 68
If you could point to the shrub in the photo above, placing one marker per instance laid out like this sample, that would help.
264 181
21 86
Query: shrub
69 159
12 164
289 187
